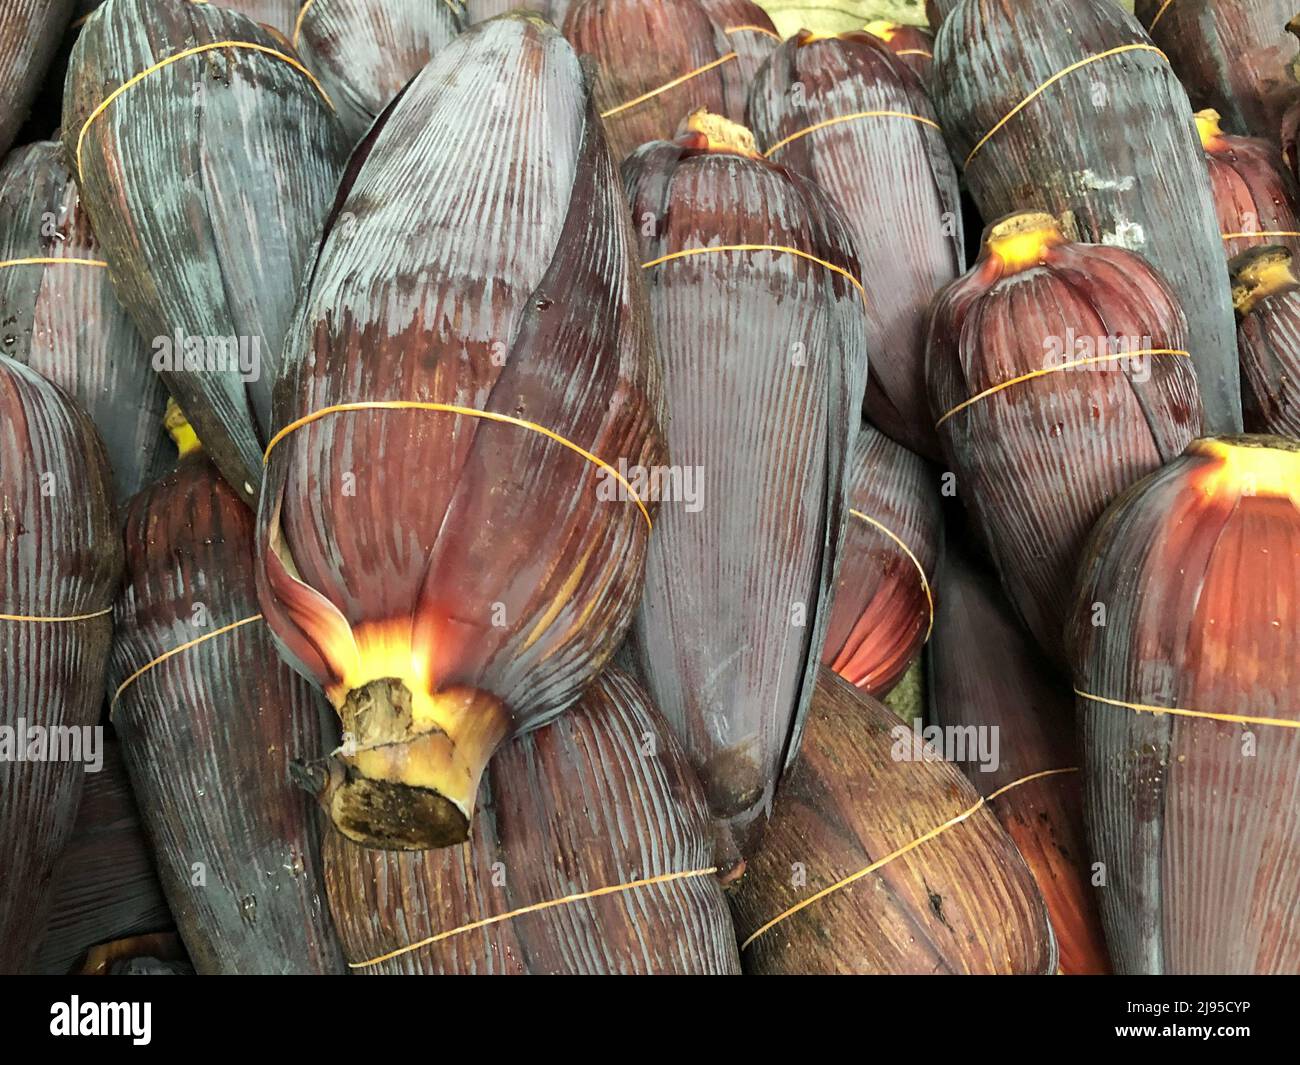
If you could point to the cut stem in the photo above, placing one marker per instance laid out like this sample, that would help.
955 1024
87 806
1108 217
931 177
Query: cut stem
714 133
1259 273
402 785
1023 240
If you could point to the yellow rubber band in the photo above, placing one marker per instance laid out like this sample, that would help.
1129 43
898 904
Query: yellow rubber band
297 23
925 583
1159 14
1053 80
175 651
57 620
848 118
915 51
752 29
669 85
1143 708
44 261
665 878
185 53
1262 233
1093 360
852 878
759 247
469 412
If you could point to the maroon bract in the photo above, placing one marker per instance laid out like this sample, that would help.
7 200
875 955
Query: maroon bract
656 62
849 114
758 315
210 721
884 605
541 837
60 564
449 544
964 902
1266 293
1059 375
1187 667
1232 57
1255 196
1092 127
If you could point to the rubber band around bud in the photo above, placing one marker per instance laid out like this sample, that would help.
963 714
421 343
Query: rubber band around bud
249 46
1072 364
1262 233
667 85
52 261
751 28
665 878
67 619
173 652
1052 81
925 581
720 248
1146 708
469 412
297 23
849 118
906 848
1160 14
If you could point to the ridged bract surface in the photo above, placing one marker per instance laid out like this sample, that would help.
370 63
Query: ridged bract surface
962 902
1038 461
896 184
105 886
640 46
482 258
208 735
1232 57
881 612
987 675
365 51
480 10
913 45
749 32
938 10
1254 193
1110 148
207 183
59 557
64 321
1269 340
601 797
280 15
1196 822
30 32
764 363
